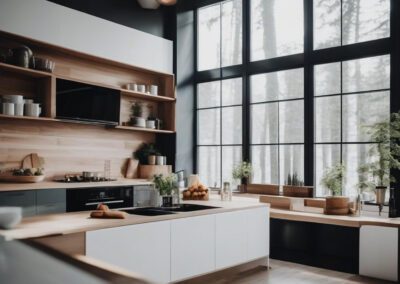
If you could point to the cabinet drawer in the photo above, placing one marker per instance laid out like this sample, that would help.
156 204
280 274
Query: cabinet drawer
45 196
51 208
24 199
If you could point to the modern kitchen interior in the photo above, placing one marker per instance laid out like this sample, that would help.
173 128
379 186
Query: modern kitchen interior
199 141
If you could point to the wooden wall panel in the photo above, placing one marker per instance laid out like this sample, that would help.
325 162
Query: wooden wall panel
66 147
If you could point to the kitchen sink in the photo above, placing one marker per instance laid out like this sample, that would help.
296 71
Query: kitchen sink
147 211
188 208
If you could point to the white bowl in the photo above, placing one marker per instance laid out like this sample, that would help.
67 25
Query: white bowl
10 217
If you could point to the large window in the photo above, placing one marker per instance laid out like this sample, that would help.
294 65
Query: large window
291 86
277 125
342 22
219 129
276 28
220 35
349 97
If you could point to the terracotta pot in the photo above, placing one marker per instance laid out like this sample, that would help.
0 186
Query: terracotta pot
151 159
337 205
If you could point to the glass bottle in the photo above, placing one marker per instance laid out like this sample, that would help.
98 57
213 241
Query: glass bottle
227 191
392 204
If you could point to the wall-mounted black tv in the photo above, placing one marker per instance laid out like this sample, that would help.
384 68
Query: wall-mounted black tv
87 103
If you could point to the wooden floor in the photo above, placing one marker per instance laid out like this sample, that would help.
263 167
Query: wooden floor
286 273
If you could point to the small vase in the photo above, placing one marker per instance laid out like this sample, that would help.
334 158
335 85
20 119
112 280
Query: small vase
243 186
166 201
380 194
151 159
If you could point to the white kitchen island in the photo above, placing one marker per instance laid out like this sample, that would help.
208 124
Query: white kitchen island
166 248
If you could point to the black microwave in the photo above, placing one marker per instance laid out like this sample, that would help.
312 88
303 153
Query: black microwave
87 103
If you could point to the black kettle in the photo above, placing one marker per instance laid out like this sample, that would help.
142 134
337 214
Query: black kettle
22 56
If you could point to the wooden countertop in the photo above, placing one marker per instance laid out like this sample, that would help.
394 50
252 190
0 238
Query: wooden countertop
347 220
77 222
61 185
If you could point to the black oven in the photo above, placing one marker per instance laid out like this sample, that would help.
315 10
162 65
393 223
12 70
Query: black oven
82 199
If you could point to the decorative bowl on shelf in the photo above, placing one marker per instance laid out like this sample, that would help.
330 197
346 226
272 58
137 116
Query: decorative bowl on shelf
7 177
10 217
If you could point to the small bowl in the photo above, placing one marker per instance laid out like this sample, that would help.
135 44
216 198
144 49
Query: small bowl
10 217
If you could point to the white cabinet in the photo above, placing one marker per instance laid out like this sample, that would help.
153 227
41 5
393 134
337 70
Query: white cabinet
183 248
192 246
231 239
257 233
379 252
143 249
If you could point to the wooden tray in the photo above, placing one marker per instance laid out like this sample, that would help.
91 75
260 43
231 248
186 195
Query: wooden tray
21 179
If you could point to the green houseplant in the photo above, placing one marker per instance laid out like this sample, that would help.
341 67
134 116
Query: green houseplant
242 172
333 179
166 185
145 151
386 152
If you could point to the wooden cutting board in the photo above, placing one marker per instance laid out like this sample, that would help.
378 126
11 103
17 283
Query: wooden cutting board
32 161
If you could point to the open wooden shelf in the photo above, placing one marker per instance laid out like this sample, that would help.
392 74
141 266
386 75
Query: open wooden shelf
48 119
14 117
24 71
146 96
132 128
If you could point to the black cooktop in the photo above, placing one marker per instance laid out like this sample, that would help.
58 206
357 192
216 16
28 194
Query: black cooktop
78 179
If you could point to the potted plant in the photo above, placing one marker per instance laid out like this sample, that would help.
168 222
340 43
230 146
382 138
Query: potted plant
243 173
294 187
333 179
385 134
147 153
166 186
137 118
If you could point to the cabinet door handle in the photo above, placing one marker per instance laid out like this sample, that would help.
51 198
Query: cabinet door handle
104 202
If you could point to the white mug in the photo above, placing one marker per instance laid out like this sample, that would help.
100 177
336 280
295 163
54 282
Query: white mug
32 110
154 90
19 109
151 124
8 108
132 87
160 160
141 88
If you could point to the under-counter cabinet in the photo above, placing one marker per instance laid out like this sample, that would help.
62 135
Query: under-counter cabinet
182 248
24 199
142 248
36 202
230 239
192 246
379 251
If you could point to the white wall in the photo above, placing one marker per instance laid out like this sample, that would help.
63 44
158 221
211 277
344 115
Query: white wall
58 25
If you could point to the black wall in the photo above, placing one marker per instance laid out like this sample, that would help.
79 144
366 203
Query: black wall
158 22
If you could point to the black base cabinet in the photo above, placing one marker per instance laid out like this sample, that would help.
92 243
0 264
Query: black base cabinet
318 245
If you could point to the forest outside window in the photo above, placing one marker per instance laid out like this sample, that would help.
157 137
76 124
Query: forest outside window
219 35
342 22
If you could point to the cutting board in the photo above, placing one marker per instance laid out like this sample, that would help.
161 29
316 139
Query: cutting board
32 161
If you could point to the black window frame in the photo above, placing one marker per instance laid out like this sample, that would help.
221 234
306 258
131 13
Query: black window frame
306 60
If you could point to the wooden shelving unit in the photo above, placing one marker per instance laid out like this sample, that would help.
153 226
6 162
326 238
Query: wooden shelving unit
30 118
24 71
84 68
131 128
146 96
